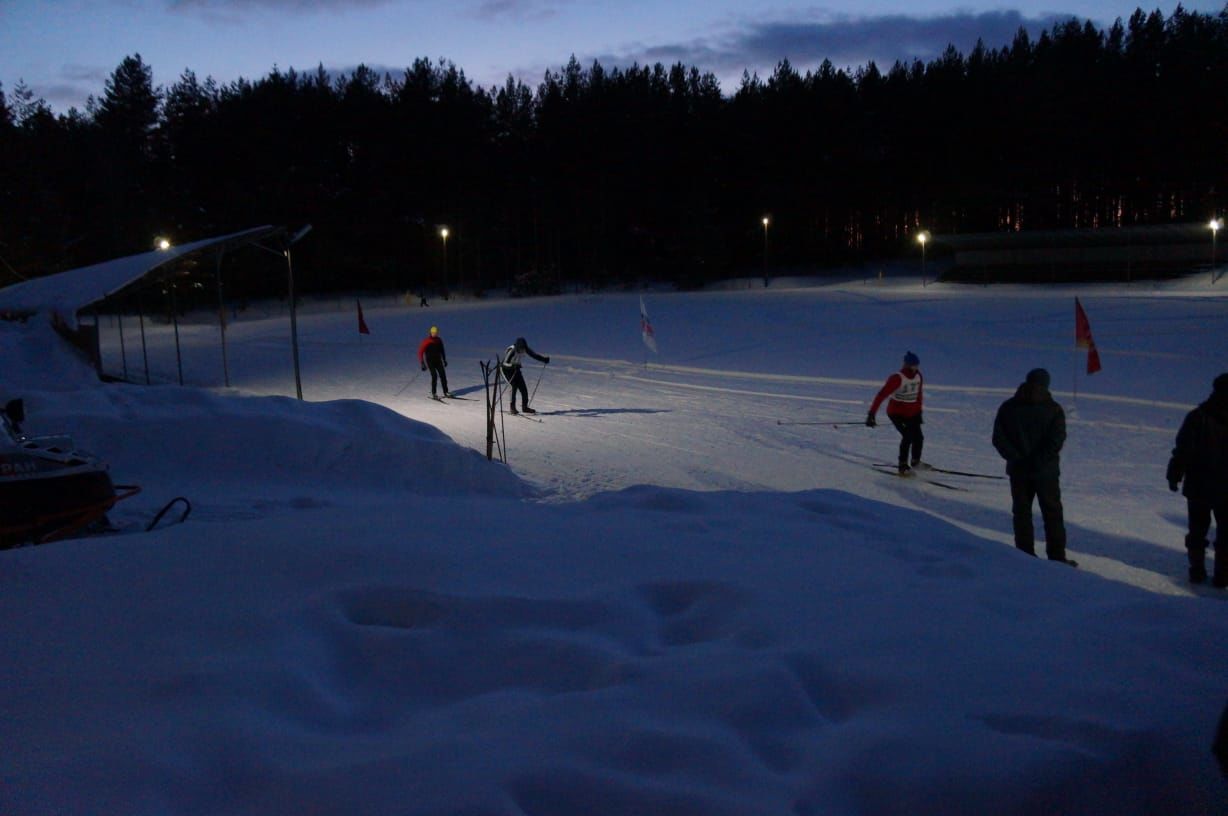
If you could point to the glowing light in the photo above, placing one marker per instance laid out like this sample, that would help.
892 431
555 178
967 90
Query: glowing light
162 244
923 237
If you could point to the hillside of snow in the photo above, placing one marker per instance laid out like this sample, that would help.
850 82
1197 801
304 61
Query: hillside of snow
686 591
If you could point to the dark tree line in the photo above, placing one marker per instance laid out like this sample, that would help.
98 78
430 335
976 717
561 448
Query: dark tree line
601 176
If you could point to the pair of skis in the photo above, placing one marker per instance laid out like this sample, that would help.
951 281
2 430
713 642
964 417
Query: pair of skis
924 467
921 472
915 475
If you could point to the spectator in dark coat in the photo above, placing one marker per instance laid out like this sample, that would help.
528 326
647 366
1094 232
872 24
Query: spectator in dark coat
1220 746
1200 460
1028 432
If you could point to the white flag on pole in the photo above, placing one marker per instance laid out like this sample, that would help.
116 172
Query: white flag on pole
650 339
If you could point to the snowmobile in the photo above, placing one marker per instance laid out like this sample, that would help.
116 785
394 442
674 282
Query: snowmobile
48 489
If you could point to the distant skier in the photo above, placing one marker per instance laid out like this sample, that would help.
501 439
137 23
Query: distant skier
512 373
1200 459
431 355
904 410
1029 432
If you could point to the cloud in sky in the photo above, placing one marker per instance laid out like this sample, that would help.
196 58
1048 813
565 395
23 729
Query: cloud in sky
71 87
490 39
516 10
284 5
845 40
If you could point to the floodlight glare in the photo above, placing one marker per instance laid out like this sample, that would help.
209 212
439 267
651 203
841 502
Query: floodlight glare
162 243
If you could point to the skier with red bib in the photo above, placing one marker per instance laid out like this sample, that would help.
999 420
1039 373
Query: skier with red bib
903 394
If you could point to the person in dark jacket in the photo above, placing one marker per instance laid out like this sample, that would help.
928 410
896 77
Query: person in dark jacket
510 365
903 388
1028 432
1220 746
431 354
1200 460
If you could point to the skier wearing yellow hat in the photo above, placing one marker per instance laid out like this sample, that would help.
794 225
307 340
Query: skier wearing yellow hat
431 355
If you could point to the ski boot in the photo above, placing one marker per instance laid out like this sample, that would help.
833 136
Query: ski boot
1196 551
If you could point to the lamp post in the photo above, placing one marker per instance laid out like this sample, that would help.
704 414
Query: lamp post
443 234
923 238
1215 225
766 221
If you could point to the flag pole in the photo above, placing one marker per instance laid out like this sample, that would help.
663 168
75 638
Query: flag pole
1074 378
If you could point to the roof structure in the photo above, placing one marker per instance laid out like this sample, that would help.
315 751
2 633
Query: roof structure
1160 234
1108 253
68 293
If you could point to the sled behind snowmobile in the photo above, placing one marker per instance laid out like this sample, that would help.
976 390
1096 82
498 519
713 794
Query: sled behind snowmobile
48 488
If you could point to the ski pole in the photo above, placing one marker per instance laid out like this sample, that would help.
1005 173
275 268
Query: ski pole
408 384
539 382
820 422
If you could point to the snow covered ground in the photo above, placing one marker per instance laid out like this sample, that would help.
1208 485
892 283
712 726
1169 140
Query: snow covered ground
687 592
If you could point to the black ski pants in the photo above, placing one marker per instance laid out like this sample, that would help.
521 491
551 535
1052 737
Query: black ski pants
1200 525
911 437
516 383
438 375
1048 493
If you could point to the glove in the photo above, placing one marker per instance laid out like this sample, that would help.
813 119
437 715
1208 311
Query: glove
547 361
871 422
424 366
1174 473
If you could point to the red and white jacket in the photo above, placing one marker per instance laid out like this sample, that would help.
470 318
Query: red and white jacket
904 389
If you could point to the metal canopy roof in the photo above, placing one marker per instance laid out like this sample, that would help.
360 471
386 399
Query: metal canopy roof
68 293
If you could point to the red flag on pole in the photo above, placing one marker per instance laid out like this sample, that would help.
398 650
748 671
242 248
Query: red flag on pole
362 324
1083 338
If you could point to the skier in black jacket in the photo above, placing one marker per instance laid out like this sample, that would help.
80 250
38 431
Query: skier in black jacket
511 372
1200 459
1028 432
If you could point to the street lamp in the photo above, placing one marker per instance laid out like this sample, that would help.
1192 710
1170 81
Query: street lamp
923 238
1216 224
766 221
443 234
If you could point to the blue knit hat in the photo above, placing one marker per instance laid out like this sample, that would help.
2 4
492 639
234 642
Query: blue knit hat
911 359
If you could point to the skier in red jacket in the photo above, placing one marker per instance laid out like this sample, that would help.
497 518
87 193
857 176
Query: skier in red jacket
904 410
431 353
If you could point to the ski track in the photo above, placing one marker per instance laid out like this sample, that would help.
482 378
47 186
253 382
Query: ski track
613 423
